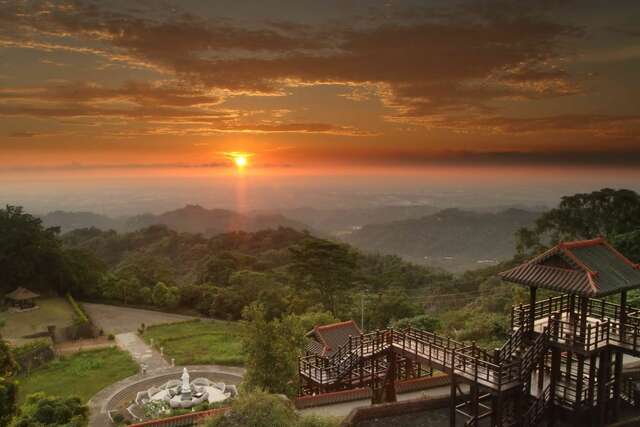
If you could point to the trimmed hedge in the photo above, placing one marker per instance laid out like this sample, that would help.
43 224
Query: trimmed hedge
81 316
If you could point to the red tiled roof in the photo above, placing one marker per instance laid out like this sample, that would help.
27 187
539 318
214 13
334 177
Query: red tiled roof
332 336
587 267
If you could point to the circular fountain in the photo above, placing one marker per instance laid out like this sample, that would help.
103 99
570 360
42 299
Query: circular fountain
183 393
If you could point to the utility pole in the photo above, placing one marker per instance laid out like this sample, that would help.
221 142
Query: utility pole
362 310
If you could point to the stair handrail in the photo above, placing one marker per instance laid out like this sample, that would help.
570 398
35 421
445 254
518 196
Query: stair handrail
534 414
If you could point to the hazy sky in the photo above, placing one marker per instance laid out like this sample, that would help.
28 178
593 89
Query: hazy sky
319 84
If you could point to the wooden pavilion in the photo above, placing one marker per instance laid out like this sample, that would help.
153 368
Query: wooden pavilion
588 335
22 298
562 360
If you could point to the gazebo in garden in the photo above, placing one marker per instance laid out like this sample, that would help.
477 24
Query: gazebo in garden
22 298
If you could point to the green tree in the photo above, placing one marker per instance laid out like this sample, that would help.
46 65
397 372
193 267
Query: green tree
40 410
424 322
390 305
263 287
8 365
261 409
148 268
606 212
8 388
8 398
313 318
30 254
325 267
272 349
165 296
218 268
628 244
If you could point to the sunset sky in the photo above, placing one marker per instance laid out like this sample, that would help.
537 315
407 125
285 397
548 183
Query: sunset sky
319 84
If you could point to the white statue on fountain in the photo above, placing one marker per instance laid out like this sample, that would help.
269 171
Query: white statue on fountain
185 388
184 393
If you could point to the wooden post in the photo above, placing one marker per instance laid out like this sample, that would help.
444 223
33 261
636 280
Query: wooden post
592 379
496 417
579 403
623 315
555 375
584 303
452 405
617 384
390 378
474 394
541 375
603 376
532 308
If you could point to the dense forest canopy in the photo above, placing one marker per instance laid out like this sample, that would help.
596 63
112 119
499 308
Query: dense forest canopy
289 272
614 214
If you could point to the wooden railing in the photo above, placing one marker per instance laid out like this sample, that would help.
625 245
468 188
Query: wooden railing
596 308
533 416
614 328
469 361
511 347
521 314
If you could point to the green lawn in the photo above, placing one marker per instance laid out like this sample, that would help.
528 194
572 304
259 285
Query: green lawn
199 342
82 374
51 311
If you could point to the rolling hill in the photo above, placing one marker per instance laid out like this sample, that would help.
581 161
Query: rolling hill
452 239
191 219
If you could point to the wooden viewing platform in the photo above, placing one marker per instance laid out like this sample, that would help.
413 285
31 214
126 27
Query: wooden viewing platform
563 357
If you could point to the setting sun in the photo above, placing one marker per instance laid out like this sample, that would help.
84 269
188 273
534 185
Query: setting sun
240 161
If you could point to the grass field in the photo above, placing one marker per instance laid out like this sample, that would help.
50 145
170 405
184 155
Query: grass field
82 374
51 311
199 342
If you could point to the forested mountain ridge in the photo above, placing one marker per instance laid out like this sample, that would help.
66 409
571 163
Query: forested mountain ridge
452 238
286 269
191 218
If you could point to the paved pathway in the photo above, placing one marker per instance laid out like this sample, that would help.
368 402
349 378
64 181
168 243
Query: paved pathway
113 319
344 408
140 351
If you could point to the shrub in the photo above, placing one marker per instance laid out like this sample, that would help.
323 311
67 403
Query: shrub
257 409
261 409
42 410
111 337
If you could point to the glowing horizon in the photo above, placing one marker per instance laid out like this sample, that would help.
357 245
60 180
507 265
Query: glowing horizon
404 85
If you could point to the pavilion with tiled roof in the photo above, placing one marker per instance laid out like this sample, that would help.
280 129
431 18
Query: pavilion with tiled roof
589 268
593 332
326 339
22 298
585 269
